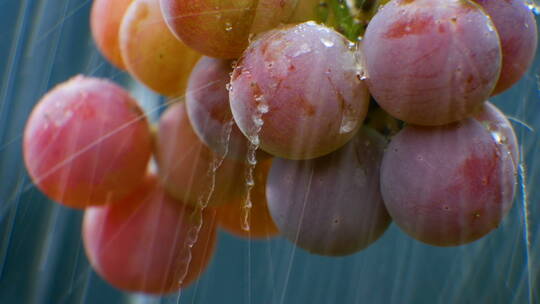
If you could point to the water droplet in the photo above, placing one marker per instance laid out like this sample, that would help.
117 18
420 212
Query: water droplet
303 49
349 121
255 140
491 28
228 26
258 121
263 108
327 43
361 75
498 137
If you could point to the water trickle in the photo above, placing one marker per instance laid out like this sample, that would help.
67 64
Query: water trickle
262 108
348 123
204 198
498 137
491 28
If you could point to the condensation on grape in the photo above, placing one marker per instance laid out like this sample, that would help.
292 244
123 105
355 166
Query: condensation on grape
349 121
303 49
327 42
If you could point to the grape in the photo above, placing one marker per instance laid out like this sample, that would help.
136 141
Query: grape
207 103
516 26
231 216
331 205
447 185
222 28
151 52
105 19
500 129
186 164
140 243
87 142
431 62
299 85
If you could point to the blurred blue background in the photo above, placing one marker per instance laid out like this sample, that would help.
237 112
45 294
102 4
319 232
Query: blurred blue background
43 43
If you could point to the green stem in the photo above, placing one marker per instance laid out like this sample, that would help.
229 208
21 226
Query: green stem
345 22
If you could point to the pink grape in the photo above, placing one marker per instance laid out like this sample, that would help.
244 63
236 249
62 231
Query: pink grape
516 26
331 205
186 164
87 142
207 103
447 185
300 86
141 243
500 128
431 62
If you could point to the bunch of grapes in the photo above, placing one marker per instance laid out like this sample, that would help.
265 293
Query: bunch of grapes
311 119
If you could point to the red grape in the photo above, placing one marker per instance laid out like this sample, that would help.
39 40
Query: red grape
431 62
87 142
500 129
447 185
331 205
186 164
516 26
207 103
141 243
296 89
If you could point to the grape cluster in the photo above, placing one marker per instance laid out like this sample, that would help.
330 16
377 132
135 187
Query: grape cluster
307 119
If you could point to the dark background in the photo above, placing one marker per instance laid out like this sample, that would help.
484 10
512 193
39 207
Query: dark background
43 43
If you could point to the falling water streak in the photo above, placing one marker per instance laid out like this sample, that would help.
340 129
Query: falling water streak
202 203
249 273
526 230
254 143
293 251
521 123
250 182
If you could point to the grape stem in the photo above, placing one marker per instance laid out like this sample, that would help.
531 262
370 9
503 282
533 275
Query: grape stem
349 17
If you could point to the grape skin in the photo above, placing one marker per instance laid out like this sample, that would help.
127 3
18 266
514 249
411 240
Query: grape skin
447 185
226 26
517 30
306 80
331 205
207 103
152 54
496 123
87 142
431 62
105 18
139 243
185 163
